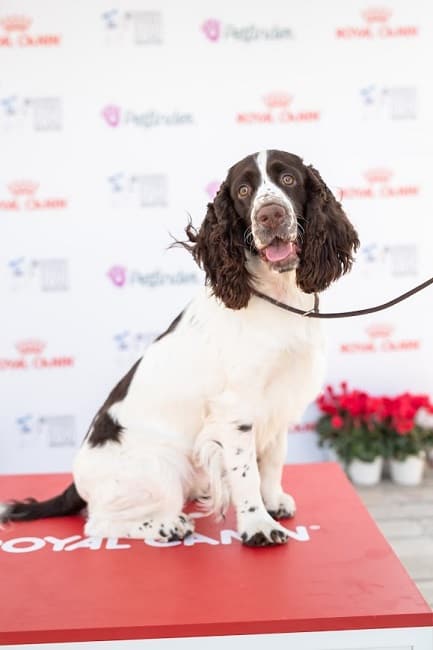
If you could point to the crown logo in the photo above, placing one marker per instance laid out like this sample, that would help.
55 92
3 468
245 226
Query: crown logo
23 187
378 175
376 14
381 331
30 346
277 100
16 23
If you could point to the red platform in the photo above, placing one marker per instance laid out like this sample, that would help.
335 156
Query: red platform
336 573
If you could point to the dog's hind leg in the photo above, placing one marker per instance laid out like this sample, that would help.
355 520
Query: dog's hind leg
135 491
156 526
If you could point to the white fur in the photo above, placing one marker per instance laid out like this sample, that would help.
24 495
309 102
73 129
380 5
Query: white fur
268 192
218 369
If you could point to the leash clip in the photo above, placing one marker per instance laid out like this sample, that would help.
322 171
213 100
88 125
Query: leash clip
315 308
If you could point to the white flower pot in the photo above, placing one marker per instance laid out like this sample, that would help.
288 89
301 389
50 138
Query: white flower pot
364 474
408 471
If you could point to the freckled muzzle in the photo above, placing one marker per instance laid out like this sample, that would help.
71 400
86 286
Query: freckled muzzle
275 233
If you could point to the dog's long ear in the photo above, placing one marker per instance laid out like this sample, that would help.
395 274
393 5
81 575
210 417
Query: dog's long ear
329 239
219 248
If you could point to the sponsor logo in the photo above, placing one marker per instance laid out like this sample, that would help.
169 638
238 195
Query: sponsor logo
214 30
379 183
380 337
114 116
376 23
279 108
51 274
31 354
138 190
121 276
53 431
34 113
398 260
129 347
23 195
133 27
212 188
389 102
304 427
76 542
128 341
18 31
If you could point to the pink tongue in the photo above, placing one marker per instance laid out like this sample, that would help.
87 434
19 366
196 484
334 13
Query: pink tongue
279 250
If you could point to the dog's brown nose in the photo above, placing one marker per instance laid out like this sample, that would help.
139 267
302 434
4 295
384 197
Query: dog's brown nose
271 215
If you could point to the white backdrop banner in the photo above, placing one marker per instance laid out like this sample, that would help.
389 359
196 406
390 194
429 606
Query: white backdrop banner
119 121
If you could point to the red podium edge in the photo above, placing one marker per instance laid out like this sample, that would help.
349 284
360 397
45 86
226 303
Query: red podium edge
238 628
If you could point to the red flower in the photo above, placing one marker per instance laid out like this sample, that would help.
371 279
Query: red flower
403 426
337 422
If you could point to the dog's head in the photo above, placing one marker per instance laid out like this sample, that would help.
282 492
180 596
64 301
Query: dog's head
279 209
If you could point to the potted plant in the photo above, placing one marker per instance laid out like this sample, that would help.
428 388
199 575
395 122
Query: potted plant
348 426
407 427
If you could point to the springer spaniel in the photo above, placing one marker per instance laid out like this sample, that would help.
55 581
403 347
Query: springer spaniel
204 413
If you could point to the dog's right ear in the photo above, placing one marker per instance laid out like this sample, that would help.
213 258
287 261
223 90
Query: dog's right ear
218 247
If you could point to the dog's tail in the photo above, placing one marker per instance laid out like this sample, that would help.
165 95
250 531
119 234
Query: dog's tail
67 503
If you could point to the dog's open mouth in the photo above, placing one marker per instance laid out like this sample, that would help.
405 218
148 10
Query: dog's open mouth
280 254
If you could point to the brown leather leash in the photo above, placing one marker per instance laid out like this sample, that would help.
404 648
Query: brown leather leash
315 313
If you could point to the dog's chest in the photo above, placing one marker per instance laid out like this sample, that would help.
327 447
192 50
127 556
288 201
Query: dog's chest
268 347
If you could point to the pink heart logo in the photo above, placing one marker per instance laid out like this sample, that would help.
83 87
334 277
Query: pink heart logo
212 188
111 114
117 275
212 29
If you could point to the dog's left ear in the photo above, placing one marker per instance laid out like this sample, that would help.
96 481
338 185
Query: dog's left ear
329 239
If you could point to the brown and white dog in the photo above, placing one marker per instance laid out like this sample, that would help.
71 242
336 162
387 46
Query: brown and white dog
204 413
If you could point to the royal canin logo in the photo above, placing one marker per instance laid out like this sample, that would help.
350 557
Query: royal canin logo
376 14
380 338
376 24
31 357
304 427
15 33
23 188
16 23
30 346
225 537
378 175
379 330
278 108
379 185
23 196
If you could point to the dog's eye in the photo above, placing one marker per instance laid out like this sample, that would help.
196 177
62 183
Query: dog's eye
287 179
244 191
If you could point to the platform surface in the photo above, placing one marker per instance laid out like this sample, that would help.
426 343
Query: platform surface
336 573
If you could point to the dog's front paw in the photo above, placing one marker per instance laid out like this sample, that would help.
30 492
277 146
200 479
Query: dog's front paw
282 506
263 532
